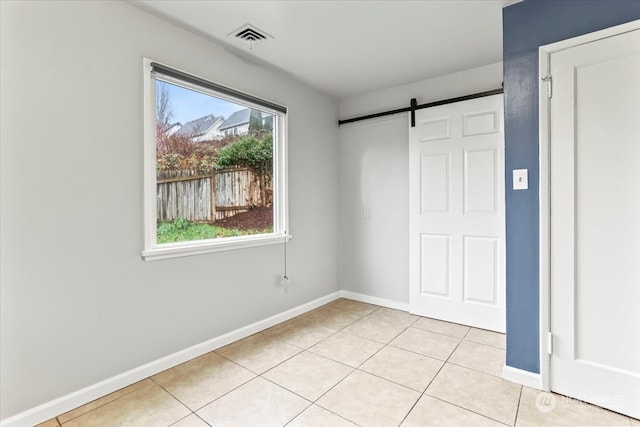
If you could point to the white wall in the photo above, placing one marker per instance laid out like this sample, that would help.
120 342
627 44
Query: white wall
78 303
374 173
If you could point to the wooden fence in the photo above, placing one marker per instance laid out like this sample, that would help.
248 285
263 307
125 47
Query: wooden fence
206 198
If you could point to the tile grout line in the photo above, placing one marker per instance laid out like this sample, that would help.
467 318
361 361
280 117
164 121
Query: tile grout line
443 365
233 389
467 410
474 343
487 345
438 373
353 369
57 417
312 402
447 360
471 369
202 419
183 418
383 344
388 344
515 421
393 382
192 412
168 392
261 375
365 361
434 377
289 358
410 409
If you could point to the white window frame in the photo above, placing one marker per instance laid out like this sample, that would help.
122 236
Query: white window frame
154 251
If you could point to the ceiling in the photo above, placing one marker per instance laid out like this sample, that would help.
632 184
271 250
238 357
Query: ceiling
347 47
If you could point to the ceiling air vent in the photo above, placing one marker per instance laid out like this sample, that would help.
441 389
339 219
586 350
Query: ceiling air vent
250 34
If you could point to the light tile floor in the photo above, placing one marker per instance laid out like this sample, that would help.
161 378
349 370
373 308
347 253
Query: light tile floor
344 364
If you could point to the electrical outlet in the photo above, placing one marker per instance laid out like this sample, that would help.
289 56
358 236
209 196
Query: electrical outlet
285 281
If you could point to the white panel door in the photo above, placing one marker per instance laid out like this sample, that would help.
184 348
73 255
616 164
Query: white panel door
595 222
456 222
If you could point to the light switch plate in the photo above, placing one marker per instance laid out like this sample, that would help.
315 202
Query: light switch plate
520 179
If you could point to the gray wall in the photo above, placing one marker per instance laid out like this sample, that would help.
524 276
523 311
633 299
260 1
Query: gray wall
78 303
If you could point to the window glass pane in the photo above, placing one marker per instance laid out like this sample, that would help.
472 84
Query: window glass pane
214 166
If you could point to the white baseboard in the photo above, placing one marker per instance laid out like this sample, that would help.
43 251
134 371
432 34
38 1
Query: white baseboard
523 377
66 403
375 300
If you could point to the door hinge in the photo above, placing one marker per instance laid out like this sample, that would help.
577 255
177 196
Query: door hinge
549 343
549 80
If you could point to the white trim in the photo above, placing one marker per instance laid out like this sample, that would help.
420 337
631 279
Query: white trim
149 150
544 224
383 302
78 398
544 54
171 250
523 377
591 37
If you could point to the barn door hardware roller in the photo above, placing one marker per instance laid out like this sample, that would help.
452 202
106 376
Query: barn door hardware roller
414 104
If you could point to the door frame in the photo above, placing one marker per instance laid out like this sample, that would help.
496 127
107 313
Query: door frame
544 103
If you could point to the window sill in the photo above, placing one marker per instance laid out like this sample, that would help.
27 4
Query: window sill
199 247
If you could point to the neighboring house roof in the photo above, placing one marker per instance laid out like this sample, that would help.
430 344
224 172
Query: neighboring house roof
173 128
238 118
198 126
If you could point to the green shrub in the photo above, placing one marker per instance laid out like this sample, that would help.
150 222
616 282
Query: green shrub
250 152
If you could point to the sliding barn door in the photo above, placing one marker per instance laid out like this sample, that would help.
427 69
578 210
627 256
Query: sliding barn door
457 269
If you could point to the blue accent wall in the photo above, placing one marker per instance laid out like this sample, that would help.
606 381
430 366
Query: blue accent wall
526 26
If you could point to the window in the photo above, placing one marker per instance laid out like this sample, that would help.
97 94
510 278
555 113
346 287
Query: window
214 166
